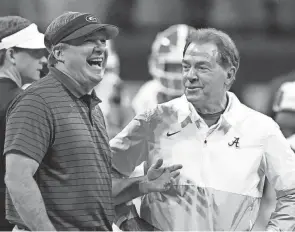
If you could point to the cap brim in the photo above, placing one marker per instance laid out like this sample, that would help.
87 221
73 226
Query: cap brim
110 31
37 42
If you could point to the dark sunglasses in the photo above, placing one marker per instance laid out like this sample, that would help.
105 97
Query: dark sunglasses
36 53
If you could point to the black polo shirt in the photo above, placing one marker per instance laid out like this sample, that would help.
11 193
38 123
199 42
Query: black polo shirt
8 91
61 127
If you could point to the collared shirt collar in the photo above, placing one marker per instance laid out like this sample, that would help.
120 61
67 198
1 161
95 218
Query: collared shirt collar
71 85
231 114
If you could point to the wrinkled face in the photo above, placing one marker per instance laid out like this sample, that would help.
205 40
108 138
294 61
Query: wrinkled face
86 61
29 63
204 78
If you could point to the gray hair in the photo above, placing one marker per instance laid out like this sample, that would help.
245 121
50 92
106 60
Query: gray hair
228 52
51 30
8 26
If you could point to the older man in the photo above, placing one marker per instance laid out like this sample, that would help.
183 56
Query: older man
58 160
226 148
22 54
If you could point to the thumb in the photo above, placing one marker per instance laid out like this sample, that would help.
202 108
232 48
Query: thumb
158 164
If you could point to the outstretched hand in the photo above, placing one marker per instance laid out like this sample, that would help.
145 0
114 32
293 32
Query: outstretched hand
160 178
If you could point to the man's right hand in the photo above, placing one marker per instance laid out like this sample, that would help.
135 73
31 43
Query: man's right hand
159 179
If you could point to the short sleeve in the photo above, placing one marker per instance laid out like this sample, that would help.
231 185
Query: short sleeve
29 127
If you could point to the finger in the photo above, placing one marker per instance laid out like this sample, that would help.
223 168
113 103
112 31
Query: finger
175 174
174 167
158 164
145 167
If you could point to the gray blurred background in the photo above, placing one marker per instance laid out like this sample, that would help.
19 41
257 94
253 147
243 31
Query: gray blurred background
264 31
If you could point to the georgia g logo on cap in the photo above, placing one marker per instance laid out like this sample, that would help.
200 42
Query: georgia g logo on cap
91 18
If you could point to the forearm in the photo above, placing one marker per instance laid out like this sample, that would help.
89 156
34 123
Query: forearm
283 218
125 190
28 201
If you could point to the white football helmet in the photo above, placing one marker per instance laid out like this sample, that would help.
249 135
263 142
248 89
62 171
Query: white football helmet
166 58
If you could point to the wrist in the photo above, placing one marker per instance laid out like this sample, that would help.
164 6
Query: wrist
144 185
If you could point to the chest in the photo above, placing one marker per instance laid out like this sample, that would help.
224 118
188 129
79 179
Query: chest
79 131
207 155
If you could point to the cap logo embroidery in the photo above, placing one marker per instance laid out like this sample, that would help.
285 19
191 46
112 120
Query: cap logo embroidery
91 19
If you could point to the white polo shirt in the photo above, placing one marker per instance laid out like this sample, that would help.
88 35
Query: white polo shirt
224 166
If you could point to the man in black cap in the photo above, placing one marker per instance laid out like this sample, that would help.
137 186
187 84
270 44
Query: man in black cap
58 158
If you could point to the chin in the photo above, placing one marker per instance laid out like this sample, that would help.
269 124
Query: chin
96 76
193 97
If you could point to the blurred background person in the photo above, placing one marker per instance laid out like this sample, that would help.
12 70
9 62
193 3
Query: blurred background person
22 54
165 68
284 111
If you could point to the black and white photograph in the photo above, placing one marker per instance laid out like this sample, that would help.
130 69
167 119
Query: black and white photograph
147 115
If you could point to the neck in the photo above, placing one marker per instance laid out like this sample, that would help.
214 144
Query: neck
87 87
212 107
9 71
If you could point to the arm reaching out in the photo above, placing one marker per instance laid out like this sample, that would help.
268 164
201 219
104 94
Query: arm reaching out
157 179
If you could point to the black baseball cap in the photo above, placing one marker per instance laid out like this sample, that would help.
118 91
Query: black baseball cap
81 26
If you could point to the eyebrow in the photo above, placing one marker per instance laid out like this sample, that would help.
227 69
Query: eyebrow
198 62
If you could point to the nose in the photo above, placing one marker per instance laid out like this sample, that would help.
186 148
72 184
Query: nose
101 48
43 60
192 75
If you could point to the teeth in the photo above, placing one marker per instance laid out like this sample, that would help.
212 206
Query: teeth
97 59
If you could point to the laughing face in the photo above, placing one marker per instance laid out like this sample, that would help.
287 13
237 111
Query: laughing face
86 62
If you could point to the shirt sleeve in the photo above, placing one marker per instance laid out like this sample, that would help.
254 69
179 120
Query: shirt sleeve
280 171
130 146
29 127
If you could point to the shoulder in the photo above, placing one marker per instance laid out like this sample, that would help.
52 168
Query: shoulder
6 82
36 96
47 90
8 91
45 86
167 110
257 122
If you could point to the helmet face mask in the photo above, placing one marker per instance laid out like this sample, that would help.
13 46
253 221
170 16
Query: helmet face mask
165 63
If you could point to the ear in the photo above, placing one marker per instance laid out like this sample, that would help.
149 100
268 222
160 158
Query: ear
231 74
10 55
58 55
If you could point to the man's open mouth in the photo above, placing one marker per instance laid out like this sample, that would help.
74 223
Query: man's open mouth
95 62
